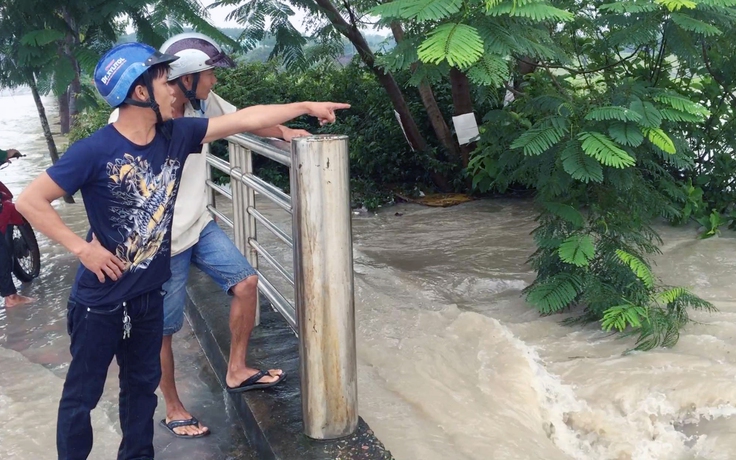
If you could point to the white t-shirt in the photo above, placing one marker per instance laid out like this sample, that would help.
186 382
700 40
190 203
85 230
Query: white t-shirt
190 208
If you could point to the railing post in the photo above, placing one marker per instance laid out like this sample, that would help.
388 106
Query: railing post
241 160
210 193
323 274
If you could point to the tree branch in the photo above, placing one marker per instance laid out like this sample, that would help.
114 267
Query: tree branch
515 92
713 74
353 20
584 72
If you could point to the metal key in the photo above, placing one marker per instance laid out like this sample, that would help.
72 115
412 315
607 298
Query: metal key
126 323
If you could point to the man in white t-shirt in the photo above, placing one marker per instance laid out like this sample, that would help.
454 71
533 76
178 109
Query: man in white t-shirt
198 240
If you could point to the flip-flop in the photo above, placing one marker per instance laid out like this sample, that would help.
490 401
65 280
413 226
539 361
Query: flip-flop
179 423
251 383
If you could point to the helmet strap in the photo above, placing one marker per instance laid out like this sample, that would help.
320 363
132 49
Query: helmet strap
152 104
191 94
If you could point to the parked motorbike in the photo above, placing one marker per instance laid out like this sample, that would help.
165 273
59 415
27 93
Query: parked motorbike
19 237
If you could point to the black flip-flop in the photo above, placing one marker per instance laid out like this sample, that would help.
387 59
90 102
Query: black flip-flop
251 383
179 423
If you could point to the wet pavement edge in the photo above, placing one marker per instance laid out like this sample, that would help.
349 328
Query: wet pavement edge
273 417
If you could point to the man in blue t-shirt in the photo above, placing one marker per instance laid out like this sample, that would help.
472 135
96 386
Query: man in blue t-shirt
128 175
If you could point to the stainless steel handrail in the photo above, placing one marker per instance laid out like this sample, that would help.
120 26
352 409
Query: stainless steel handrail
323 316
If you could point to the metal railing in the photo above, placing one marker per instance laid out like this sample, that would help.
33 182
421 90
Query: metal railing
324 315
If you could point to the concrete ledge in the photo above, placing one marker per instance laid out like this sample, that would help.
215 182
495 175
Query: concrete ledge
272 417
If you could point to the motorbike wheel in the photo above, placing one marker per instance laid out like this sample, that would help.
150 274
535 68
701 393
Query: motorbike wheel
24 248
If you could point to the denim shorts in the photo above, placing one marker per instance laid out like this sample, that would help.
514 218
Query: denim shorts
217 256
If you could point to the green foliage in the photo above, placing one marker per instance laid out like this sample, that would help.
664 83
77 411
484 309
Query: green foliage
459 44
540 137
622 316
580 166
380 157
667 313
658 137
577 250
41 37
603 149
626 134
490 71
638 266
422 10
627 116
536 10
555 293
711 224
613 113
566 213
89 121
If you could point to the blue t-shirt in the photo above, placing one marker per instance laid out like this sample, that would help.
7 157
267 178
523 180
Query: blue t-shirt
129 192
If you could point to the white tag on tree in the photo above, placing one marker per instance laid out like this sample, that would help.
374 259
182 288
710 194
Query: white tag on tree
398 118
466 127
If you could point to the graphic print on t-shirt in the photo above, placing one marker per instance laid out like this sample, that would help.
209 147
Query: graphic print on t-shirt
145 207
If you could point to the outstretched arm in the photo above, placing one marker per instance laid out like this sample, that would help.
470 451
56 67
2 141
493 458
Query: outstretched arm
258 117
35 205
281 132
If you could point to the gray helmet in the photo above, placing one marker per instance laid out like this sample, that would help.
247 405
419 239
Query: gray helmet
196 52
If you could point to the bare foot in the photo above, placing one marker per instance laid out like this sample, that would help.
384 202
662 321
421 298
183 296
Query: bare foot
235 378
189 430
14 300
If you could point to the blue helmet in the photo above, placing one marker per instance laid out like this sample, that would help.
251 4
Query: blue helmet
121 66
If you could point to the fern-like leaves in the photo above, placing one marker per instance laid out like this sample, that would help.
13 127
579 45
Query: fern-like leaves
579 165
542 136
613 113
638 266
421 10
658 137
650 117
681 103
630 7
555 293
490 70
676 115
626 134
459 44
676 5
41 37
603 149
566 213
577 250
431 10
622 316
695 25
540 11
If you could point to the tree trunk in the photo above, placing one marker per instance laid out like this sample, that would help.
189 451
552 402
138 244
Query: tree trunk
440 127
76 90
71 42
45 126
64 112
524 66
386 79
462 103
